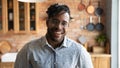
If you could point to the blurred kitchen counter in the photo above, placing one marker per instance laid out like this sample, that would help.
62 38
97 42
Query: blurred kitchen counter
100 55
101 60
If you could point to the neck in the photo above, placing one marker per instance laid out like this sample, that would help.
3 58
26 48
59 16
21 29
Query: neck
54 44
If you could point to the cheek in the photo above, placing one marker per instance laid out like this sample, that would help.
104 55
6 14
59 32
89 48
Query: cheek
49 26
66 29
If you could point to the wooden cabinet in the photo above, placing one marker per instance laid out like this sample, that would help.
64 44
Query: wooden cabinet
18 17
7 65
1 16
101 60
10 9
21 23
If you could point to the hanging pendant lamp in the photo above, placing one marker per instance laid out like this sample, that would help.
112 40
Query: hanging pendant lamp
32 1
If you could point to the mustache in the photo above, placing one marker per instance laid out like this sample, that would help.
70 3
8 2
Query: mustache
56 30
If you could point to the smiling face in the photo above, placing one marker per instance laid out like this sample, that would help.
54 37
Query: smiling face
56 27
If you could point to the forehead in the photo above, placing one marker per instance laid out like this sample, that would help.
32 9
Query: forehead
63 16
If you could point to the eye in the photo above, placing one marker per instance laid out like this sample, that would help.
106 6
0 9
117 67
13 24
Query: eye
64 23
55 21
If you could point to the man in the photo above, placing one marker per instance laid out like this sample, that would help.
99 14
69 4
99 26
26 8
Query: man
54 50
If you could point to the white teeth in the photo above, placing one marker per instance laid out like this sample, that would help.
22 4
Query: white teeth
58 32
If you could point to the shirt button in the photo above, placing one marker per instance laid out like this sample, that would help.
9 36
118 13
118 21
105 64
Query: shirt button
54 63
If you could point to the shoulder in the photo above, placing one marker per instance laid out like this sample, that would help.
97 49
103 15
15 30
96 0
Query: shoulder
36 42
75 45
33 44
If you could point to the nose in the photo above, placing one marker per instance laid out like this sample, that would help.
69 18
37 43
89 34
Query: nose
59 26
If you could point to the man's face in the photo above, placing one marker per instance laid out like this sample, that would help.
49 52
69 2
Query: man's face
56 26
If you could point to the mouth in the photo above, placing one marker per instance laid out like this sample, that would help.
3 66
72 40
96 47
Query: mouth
57 34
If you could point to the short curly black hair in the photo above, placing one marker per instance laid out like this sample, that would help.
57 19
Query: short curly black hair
56 8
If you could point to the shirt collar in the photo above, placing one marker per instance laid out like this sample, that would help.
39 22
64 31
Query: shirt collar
65 42
45 42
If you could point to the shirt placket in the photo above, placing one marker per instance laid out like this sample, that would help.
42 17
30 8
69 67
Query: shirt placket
54 60
54 64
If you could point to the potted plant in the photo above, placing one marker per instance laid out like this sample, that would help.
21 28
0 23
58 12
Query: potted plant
101 39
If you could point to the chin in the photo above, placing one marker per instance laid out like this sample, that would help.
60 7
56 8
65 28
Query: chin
58 39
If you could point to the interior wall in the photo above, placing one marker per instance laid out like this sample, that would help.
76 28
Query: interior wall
112 30
81 19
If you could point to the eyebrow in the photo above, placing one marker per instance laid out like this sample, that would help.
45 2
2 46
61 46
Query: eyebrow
59 20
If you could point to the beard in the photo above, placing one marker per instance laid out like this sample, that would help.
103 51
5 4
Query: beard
55 34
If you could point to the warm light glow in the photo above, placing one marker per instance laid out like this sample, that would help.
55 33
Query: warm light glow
31 0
